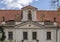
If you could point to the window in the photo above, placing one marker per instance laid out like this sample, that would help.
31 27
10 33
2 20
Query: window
10 22
29 15
48 35
10 35
48 22
34 35
25 36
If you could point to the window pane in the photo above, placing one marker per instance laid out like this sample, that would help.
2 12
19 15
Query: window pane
10 35
25 36
48 35
34 35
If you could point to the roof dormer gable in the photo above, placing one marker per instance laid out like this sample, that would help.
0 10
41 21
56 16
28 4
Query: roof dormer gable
29 7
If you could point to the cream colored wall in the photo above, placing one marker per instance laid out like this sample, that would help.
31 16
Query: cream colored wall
10 30
25 14
41 34
53 35
34 18
58 35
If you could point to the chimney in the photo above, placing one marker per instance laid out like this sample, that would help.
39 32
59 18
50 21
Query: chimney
3 20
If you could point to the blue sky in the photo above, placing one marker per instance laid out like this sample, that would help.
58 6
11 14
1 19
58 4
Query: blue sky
18 4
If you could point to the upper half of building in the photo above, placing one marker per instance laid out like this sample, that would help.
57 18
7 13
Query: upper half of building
30 13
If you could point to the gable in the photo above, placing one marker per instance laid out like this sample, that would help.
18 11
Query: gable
29 25
29 7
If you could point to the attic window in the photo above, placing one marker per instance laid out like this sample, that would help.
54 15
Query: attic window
10 22
3 18
29 15
48 22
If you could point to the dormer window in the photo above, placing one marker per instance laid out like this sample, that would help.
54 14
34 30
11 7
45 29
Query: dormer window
10 22
3 18
29 15
48 22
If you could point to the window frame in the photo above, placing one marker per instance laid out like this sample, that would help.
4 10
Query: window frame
48 35
34 35
29 15
10 36
25 36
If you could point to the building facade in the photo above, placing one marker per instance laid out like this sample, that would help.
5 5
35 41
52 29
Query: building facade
30 25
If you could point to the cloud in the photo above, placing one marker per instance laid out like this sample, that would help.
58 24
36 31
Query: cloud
13 4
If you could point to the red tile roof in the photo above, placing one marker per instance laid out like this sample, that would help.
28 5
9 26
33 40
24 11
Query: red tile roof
48 15
9 14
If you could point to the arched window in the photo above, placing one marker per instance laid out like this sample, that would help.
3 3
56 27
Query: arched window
29 15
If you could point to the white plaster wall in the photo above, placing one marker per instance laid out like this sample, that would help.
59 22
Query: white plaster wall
18 23
19 35
41 34
34 18
53 35
58 36
6 33
25 14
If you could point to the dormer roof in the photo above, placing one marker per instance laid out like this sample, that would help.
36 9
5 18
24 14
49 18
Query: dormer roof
29 7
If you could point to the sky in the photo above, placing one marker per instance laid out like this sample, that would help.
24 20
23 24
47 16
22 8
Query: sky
18 4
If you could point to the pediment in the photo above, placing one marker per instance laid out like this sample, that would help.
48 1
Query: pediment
29 25
29 7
